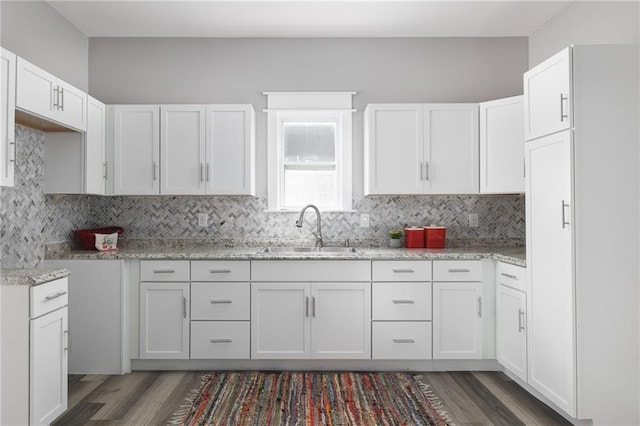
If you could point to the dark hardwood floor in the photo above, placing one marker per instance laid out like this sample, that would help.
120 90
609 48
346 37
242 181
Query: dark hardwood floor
149 398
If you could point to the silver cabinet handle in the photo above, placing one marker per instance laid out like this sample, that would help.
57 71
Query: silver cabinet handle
201 172
403 271
404 341
184 307
56 99
306 307
104 175
520 320
513 277
220 340
62 99
426 170
480 307
313 306
455 271
164 271
215 301
562 114
421 171
56 295
219 271
207 172
403 301
15 152
155 171
564 220
66 338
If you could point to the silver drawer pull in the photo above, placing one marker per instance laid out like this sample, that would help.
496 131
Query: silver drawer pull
403 301
55 296
404 341
220 340
513 277
214 301
219 271
458 270
403 271
164 271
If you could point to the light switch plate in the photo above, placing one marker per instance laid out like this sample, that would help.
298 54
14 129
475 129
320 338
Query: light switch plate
364 220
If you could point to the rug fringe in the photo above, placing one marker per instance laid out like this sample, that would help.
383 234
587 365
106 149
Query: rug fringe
178 416
434 400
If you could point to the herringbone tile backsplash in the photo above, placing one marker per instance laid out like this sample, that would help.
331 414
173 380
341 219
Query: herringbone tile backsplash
29 218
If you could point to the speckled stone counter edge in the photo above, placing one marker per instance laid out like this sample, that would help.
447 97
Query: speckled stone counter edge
30 276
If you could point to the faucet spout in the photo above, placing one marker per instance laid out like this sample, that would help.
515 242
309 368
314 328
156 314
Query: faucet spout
318 233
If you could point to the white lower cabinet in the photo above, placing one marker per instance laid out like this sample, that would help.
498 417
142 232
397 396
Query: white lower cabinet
34 353
511 333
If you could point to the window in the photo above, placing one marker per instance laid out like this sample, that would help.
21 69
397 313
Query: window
309 150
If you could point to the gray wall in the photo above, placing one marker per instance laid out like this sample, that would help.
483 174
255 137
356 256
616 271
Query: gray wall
35 31
586 22
199 70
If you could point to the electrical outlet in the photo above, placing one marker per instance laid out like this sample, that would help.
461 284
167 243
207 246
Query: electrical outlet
203 220
473 220
364 220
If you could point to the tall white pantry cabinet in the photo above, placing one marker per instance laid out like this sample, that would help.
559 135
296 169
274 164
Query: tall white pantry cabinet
581 153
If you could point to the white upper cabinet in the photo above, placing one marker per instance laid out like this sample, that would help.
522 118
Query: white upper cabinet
421 149
133 145
182 149
7 116
548 97
44 95
230 150
502 146
95 147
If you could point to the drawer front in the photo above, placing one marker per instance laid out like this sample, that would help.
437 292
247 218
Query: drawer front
49 296
401 301
220 339
402 340
401 270
220 270
164 270
220 301
310 270
512 276
457 270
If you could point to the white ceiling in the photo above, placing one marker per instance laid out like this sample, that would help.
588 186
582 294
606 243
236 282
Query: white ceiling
307 18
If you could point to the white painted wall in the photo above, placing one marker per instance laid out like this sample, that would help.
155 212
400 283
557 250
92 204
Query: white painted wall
34 30
586 22
200 70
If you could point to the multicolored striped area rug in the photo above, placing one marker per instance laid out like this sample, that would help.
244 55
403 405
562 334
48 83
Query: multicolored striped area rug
310 399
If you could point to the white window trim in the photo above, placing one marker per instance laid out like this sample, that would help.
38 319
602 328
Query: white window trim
279 103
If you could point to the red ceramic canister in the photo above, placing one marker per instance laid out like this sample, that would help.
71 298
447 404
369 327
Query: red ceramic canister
435 236
414 237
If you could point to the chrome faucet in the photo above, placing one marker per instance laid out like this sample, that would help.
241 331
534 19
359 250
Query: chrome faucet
318 233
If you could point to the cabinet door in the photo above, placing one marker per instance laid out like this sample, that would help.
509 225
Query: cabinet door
551 293
230 162
280 320
457 320
502 146
7 117
72 106
394 149
134 146
451 149
547 96
95 166
511 337
48 375
35 90
341 320
182 149
164 320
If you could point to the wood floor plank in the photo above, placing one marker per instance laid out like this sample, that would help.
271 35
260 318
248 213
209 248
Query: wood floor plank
79 415
120 393
190 381
81 386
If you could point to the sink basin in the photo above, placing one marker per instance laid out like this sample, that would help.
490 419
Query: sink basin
310 250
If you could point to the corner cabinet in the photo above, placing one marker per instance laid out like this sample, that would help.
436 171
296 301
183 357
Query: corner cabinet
421 149
581 125
7 117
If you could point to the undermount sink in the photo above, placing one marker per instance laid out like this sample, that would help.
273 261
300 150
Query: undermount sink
310 250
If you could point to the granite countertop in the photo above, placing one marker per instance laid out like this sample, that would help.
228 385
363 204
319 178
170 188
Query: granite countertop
512 255
30 276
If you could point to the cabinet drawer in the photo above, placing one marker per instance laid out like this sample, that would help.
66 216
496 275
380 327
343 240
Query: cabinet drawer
457 270
310 270
164 270
512 276
401 301
220 339
49 296
220 301
402 340
220 270
401 270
